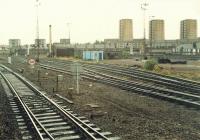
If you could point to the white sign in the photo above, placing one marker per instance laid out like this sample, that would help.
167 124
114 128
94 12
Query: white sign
31 61
9 60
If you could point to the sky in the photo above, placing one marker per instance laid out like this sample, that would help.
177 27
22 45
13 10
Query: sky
90 20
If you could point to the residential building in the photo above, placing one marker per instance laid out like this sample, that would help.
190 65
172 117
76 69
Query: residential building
14 43
126 30
156 30
188 29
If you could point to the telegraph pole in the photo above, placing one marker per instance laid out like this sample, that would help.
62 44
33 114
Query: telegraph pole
77 78
69 32
50 41
37 30
144 8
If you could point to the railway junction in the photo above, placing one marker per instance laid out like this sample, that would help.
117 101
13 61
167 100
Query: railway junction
111 102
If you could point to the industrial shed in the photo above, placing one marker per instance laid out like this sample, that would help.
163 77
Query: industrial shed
93 55
65 52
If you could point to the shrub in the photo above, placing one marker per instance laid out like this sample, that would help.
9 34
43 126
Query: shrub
149 65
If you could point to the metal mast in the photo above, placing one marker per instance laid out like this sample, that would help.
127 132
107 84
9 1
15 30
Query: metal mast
37 30
50 41
69 32
144 8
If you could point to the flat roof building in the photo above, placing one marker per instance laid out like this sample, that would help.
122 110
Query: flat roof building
188 29
14 43
126 30
64 41
156 30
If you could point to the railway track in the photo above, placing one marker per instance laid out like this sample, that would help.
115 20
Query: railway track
168 82
175 84
40 117
188 99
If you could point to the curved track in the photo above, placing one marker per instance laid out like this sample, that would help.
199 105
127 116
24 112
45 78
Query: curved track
45 118
169 82
182 97
161 80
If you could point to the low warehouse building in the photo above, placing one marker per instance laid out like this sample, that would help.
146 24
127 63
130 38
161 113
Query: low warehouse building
92 55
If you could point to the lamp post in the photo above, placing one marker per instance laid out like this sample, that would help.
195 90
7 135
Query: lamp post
144 8
68 26
37 30
50 41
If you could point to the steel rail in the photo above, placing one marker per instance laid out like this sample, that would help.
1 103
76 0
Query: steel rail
171 82
153 74
124 84
170 85
69 116
27 110
142 72
167 96
145 86
135 83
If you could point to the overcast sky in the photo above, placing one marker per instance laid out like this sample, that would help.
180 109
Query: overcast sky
90 19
